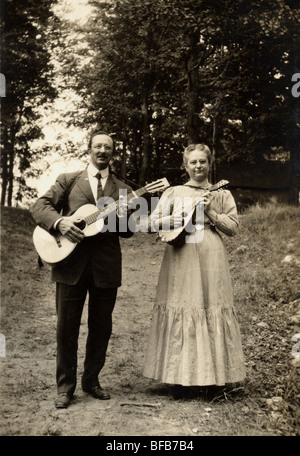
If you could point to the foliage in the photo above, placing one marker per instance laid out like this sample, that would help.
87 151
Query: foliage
181 71
161 74
25 64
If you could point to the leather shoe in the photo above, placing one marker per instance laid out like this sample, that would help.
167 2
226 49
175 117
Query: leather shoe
97 392
63 400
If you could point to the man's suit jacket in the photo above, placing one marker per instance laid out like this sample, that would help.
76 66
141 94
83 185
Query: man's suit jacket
102 250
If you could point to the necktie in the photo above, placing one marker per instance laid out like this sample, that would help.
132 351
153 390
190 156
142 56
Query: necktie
99 187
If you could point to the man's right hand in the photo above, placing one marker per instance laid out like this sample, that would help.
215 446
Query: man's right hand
68 229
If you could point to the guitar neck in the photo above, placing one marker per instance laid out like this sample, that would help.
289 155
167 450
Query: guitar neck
92 218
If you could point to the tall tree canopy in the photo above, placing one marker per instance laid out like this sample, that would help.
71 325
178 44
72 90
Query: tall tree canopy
25 64
164 73
160 74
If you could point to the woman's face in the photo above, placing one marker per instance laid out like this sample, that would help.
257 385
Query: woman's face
197 165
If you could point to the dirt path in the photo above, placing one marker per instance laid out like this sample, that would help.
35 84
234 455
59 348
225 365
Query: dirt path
28 370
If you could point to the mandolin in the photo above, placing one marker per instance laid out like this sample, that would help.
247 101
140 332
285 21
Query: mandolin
176 237
53 248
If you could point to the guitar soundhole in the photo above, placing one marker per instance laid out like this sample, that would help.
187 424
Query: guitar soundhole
81 225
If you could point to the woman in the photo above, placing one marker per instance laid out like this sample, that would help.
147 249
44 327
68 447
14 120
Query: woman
194 335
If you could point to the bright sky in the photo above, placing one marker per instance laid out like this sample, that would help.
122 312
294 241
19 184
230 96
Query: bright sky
74 10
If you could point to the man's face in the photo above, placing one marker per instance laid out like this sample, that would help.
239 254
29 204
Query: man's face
101 151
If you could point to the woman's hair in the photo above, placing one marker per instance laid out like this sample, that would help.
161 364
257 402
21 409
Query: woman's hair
200 147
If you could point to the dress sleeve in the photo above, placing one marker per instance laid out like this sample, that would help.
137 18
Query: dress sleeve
163 207
227 219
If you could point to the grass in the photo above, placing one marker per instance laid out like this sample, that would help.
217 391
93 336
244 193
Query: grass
264 286
267 234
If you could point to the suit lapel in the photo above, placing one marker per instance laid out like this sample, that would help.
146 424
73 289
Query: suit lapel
84 185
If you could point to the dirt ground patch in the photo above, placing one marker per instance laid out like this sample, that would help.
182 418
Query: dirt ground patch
139 406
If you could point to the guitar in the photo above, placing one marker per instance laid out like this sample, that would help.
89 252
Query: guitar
53 248
176 237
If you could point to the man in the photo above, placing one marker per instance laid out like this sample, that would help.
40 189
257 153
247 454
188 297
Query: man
93 268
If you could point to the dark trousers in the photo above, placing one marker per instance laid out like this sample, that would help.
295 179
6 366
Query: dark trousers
70 300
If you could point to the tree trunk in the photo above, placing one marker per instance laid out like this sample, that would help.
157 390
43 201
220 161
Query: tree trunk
7 162
159 153
4 177
10 174
4 159
213 168
146 149
123 163
294 145
193 103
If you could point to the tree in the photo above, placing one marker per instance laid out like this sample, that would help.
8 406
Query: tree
25 64
164 73
124 82
240 58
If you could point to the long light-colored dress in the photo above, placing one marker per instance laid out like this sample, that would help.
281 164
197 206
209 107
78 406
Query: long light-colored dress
194 333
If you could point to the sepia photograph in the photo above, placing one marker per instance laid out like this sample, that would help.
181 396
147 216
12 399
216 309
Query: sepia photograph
150 221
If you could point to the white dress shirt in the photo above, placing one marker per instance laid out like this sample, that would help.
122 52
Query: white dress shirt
92 173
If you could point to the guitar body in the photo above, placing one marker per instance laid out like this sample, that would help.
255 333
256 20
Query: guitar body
176 237
55 248
51 249
83 212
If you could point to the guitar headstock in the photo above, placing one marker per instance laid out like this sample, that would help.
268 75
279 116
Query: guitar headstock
157 186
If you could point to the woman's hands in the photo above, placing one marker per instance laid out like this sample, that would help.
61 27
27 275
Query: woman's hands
177 220
168 222
211 213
